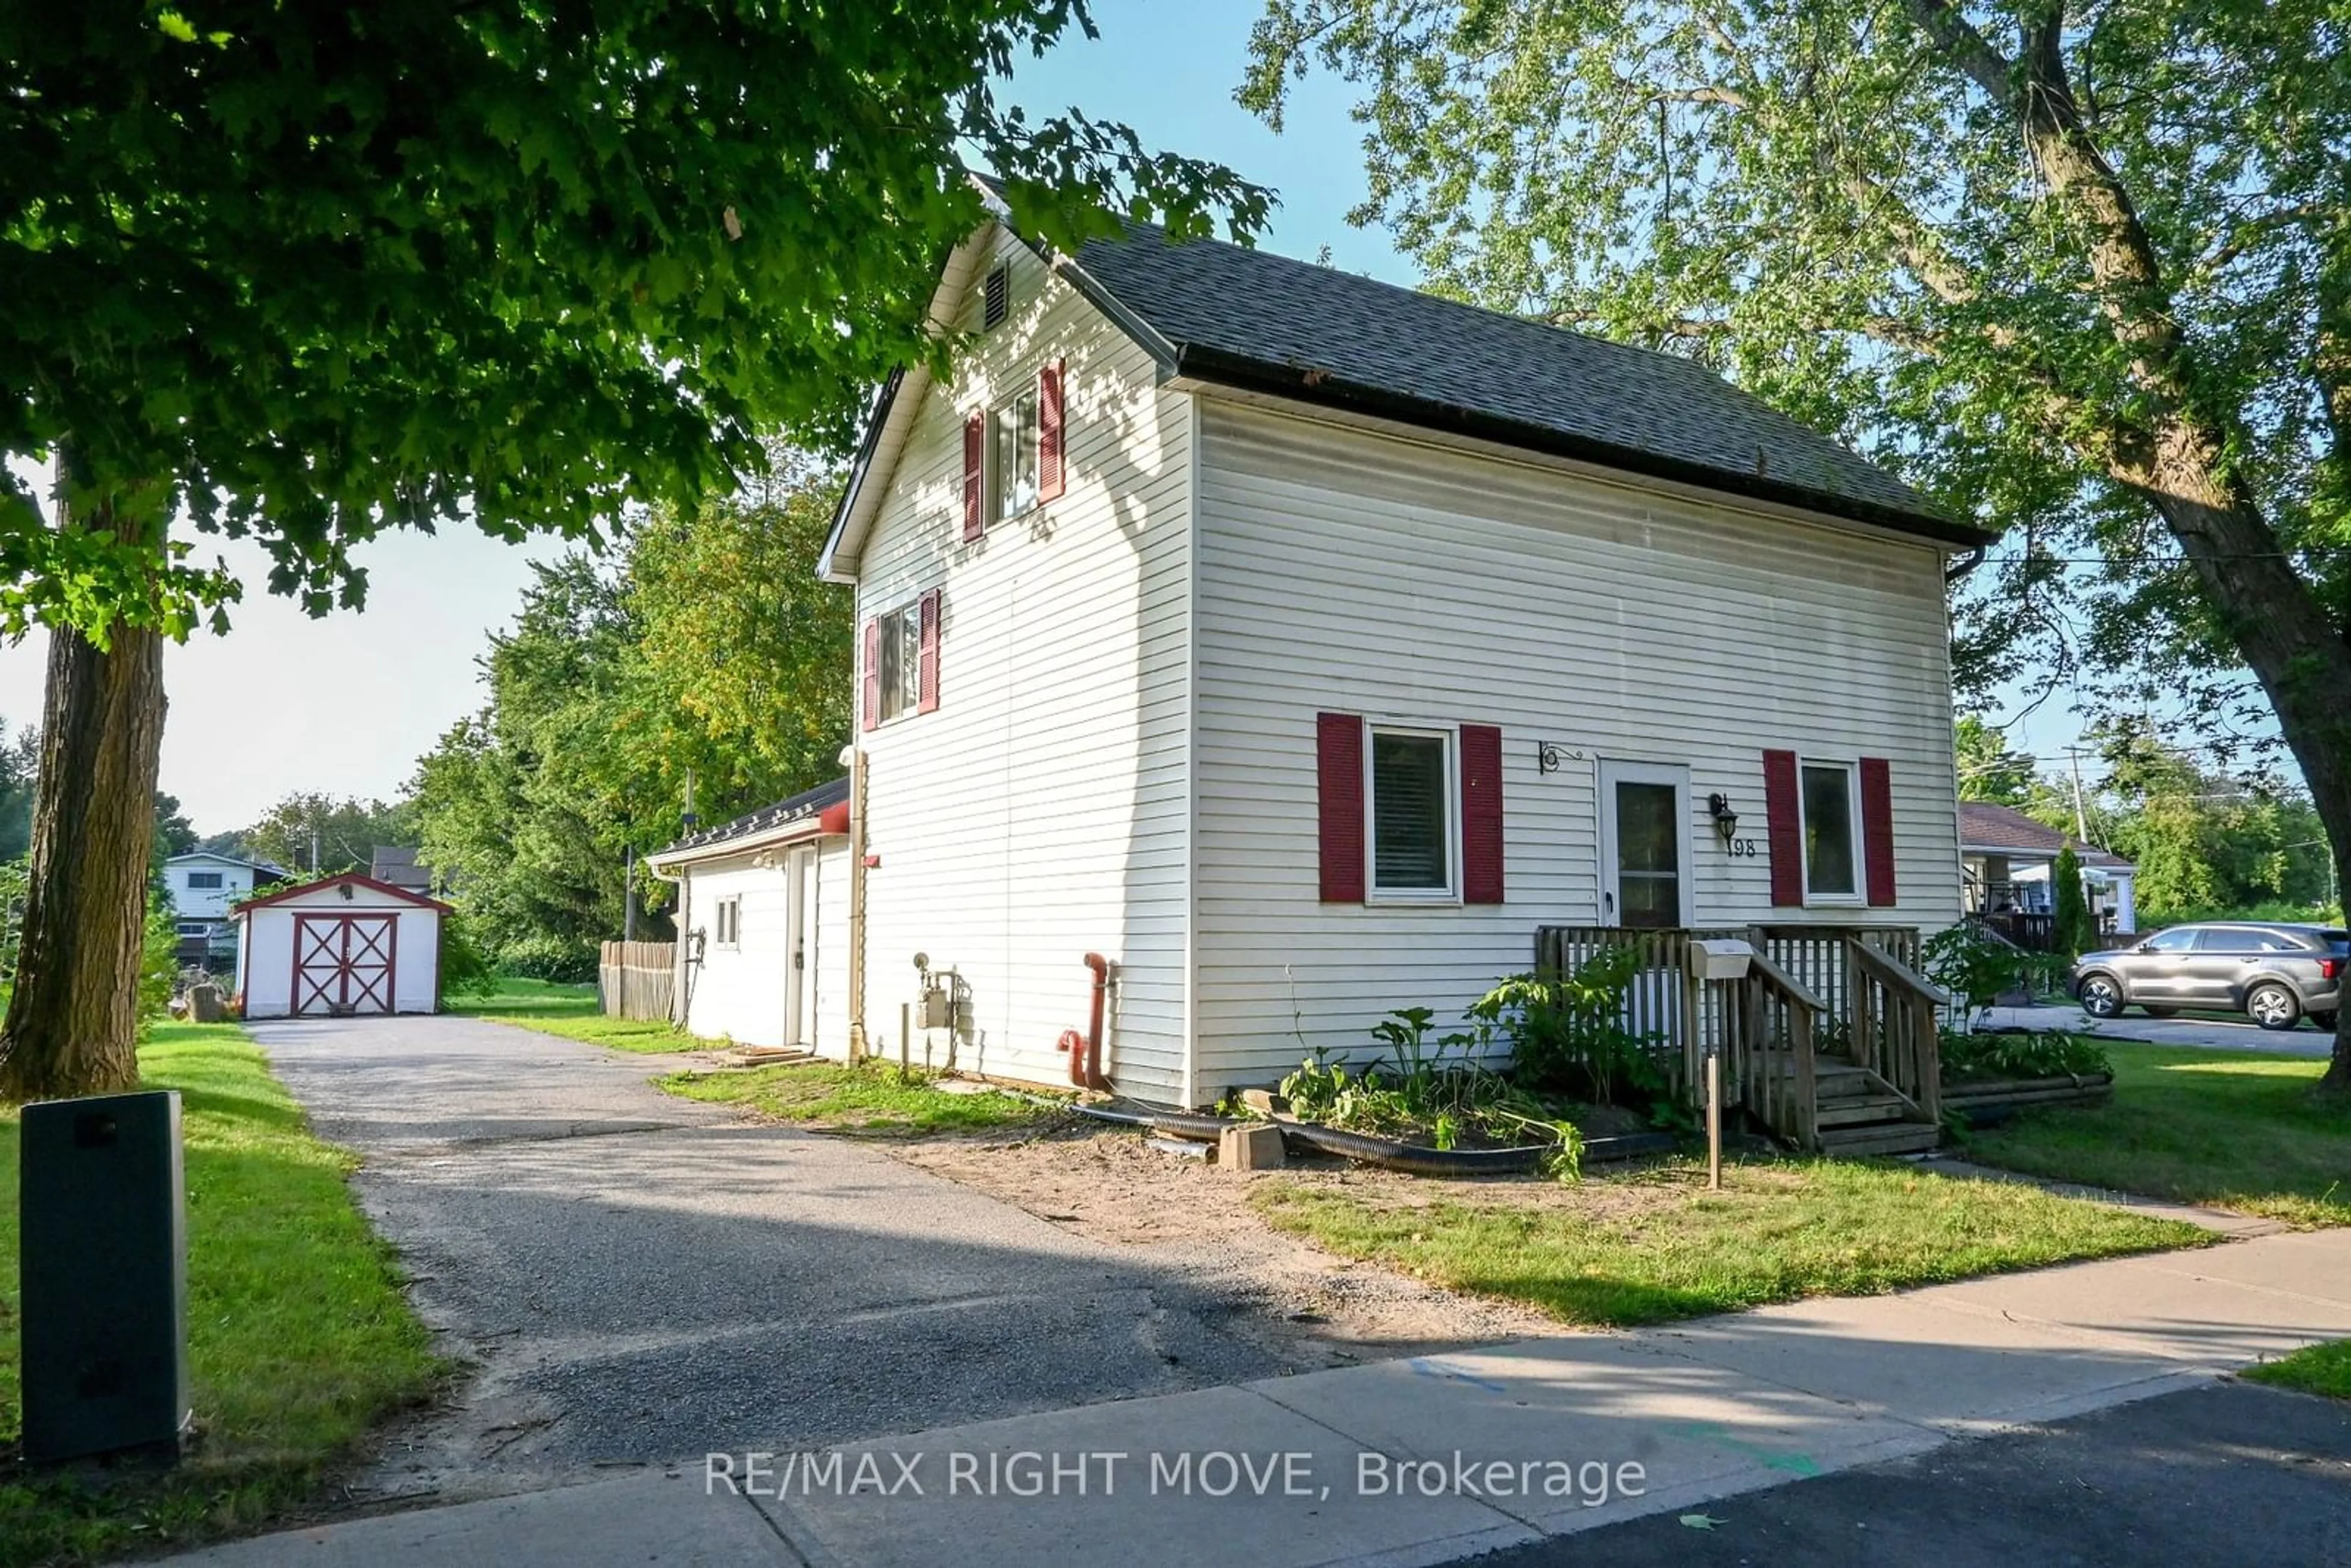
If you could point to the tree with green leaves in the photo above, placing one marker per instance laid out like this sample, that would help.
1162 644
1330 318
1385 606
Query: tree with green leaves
20 766
301 271
1989 770
174 834
2202 839
702 647
2075 932
2082 271
315 834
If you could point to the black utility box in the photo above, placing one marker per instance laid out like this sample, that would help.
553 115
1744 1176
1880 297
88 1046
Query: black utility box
105 1271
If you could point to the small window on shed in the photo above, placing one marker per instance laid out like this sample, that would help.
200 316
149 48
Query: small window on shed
729 921
995 298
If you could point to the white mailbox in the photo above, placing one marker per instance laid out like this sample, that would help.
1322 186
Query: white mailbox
1720 957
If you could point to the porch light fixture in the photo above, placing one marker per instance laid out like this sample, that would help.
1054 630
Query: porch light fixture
345 889
1726 820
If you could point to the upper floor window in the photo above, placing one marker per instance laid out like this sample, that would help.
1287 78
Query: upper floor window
1831 854
202 880
1012 456
900 659
1012 453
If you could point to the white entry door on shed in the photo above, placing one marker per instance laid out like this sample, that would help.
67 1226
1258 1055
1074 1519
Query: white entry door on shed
1644 825
343 962
799 976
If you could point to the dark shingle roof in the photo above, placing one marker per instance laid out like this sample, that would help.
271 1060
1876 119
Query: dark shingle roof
1984 826
806 804
1253 318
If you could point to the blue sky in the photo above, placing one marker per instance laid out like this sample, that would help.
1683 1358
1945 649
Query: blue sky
346 705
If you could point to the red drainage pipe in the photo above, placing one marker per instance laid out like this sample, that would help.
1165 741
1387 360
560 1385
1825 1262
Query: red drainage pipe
1085 1054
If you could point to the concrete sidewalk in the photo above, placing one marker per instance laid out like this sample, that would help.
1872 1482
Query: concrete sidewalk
1426 1460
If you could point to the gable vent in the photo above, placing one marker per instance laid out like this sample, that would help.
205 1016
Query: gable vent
997 299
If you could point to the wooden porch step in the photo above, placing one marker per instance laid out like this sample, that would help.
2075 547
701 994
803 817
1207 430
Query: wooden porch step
1859 1112
1881 1138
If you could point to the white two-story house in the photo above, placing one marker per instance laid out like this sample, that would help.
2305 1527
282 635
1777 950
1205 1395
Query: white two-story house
1297 645
202 886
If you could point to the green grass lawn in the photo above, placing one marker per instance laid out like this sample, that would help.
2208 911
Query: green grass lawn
2227 1128
1654 1245
572 1012
2317 1369
873 1098
298 1337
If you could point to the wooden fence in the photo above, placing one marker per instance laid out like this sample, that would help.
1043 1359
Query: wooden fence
637 980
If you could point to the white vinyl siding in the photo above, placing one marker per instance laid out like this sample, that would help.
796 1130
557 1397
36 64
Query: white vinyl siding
738 992
1351 571
1041 812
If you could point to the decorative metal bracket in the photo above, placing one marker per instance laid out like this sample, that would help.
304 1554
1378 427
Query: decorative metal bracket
1551 756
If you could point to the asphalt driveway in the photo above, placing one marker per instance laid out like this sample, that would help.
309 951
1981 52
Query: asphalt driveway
2199 1032
640 1279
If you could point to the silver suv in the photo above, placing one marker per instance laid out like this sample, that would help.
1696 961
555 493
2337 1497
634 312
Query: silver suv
2276 974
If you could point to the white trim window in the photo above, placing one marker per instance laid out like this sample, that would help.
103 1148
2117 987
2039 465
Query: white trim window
1830 792
899 657
1413 816
1012 456
726 918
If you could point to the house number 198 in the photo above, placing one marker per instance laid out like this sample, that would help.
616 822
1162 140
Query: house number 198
1743 848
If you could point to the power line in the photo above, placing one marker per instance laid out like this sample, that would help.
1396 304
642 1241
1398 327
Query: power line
2301 554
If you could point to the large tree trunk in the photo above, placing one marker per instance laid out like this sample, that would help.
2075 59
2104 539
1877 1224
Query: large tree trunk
72 1019
2177 452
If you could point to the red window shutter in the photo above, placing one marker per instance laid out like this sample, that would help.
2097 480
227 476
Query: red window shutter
1049 484
1783 817
928 701
974 448
1338 759
872 673
1481 813
1878 830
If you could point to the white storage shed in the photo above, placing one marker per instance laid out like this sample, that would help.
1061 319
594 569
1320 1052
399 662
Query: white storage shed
345 947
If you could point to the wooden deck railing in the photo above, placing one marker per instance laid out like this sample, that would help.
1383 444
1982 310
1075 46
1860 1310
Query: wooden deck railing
1812 990
1814 956
1890 1023
1770 1064
1663 1002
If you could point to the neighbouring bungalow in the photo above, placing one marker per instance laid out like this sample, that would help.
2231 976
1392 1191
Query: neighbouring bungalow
1256 648
202 886
2008 860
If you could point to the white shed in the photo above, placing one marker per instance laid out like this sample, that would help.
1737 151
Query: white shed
763 908
342 946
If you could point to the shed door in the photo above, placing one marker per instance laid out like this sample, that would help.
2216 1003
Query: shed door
343 962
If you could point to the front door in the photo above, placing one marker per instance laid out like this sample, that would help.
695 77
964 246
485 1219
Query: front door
1644 816
343 962
799 935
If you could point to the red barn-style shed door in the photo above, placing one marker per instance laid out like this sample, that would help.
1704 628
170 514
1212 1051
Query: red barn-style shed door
344 963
